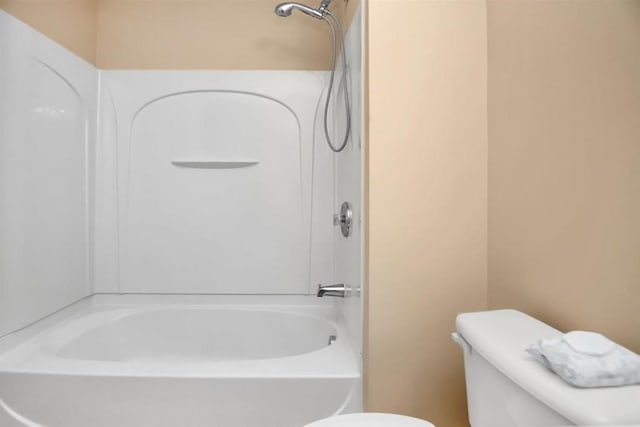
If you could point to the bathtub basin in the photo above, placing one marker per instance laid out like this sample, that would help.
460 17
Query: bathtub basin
180 361
189 335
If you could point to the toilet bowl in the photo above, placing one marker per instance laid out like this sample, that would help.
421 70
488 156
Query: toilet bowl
370 420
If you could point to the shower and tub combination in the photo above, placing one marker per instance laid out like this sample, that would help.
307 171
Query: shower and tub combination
164 235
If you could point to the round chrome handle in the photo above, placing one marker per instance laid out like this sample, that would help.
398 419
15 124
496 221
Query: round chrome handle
346 218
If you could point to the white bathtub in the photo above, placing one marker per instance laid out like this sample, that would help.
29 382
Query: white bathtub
180 361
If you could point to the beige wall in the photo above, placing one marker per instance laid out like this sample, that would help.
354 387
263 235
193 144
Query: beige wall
71 23
183 34
427 201
205 34
564 171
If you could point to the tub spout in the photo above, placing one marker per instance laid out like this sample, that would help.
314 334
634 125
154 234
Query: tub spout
340 290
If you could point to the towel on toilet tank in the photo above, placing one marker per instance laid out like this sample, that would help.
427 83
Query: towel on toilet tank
588 359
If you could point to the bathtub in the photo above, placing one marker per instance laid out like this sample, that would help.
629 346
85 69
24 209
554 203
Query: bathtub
133 360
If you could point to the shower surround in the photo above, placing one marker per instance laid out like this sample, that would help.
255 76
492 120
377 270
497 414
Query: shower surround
163 238
214 177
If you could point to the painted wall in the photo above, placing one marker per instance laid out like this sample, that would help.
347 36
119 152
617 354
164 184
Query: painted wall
177 34
47 127
71 23
427 207
205 34
564 163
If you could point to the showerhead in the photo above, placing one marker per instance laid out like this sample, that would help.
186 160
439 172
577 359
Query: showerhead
285 9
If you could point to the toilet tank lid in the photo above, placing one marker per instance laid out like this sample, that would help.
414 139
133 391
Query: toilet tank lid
501 337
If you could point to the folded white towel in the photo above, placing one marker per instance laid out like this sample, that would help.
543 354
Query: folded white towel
587 359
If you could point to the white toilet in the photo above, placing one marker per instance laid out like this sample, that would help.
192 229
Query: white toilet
370 420
507 387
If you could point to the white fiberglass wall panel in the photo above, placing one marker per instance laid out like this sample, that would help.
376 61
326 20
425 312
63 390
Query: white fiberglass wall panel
47 111
348 166
214 180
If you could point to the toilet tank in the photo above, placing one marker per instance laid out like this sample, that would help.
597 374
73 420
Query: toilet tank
506 387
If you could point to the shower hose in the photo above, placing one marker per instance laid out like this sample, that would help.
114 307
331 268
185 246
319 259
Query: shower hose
333 23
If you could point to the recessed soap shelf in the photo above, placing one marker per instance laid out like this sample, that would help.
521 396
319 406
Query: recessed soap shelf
214 164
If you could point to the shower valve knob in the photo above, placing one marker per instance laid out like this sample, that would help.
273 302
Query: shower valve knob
344 219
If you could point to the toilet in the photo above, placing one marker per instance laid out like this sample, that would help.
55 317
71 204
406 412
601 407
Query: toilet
370 420
507 387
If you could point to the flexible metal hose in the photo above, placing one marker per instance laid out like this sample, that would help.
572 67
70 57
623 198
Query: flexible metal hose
333 22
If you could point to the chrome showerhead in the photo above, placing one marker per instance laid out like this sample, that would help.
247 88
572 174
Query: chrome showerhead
285 9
